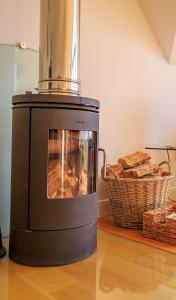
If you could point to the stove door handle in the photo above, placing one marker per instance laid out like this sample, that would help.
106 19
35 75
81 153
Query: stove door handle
103 173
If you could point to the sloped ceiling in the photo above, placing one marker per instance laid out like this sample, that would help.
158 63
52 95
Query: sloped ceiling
161 14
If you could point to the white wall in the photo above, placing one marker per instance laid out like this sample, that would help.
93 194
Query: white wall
122 66
19 21
162 17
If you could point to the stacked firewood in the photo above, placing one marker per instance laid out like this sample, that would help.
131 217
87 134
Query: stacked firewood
135 165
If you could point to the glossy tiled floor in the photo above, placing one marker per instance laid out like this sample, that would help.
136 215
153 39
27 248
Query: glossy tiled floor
119 270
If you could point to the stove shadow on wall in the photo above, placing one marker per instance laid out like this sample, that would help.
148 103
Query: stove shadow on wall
54 152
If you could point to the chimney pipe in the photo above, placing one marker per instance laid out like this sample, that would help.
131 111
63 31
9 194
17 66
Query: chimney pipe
59 47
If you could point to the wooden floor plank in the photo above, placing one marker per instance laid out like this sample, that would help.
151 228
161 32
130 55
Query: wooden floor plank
120 269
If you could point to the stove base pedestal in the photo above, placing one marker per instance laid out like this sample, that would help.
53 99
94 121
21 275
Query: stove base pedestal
51 248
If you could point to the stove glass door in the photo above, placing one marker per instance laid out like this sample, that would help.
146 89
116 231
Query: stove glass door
71 163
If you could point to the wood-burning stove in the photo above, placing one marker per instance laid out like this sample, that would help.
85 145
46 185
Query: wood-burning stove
54 167
54 151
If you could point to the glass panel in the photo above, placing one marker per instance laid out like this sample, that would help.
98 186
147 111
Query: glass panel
71 163
18 73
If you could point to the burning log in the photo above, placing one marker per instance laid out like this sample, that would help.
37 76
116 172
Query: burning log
64 183
54 171
55 146
83 185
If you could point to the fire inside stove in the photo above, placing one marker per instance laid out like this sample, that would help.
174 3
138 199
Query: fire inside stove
71 163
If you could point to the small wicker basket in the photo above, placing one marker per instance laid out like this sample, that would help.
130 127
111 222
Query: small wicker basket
160 224
130 198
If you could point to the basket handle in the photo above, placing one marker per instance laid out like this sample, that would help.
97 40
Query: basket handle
166 163
104 163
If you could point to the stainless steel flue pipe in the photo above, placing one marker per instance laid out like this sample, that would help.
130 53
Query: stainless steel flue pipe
59 47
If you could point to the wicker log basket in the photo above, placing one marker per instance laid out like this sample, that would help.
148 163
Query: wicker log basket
160 224
130 197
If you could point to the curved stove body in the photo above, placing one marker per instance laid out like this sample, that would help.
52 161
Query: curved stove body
54 177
